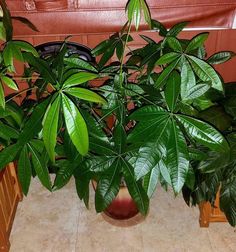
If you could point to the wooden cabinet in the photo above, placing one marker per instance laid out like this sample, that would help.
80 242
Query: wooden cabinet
10 195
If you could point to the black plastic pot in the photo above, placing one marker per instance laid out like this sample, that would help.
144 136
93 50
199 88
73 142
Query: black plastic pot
51 48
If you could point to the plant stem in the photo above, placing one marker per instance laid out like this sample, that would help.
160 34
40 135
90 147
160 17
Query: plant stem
23 91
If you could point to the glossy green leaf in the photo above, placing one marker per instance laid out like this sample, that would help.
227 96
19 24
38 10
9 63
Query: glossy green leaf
172 90
80 63
41 66
135 188
40 168
133 9
205 72
203 133
2 97
8 132
101 147
65 171
220 57
82 189
7 20
50 125
188 79
108 187
167 58
161 80
9 82
85 94
24 170
25 46
109 52
174 44
147 159
197 42
8 154
230 106
156 25
75 125
79 78
150 181
197 91
148 112
133 90
176 29
177 157
34 124
119 137
101 47
228 200
146 12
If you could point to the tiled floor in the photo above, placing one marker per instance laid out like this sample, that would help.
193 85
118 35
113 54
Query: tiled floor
59 222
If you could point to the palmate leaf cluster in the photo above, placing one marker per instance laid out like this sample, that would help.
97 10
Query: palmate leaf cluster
152 121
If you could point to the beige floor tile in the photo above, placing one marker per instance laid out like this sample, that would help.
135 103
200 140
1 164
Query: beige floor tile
59 222
46 221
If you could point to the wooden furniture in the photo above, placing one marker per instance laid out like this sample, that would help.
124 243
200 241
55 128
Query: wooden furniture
211 214
10 195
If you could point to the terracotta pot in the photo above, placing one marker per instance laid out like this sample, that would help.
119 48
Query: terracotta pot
122 207
51 5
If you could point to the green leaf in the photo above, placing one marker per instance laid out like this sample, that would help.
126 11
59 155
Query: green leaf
151 126
220 57
75 125
217 117
65 172
108 187
228 200
148 158
9 82
8 154
197 42
203 133
25 46
205 72
172 90
79 78
176 29
85 94
174 44
119 137
40 168
133 8
156 25
101 47
146 12
26 22
42 67
101 147
167 58
161 80
82 189
8 132
196 91
50 125
133 90
150 181
24 170
2 97
188 79
177 157
135 188
80 63
109 52
34 124
230 106
7 20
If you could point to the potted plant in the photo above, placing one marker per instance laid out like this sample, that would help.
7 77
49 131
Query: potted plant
153 96
215 172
